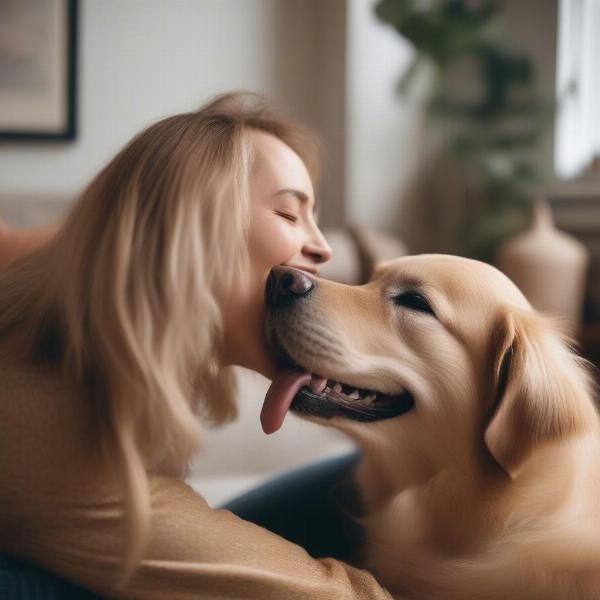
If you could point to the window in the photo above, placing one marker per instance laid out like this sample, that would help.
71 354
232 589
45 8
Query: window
578 86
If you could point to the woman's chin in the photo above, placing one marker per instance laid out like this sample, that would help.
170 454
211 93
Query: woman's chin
256 359
264 365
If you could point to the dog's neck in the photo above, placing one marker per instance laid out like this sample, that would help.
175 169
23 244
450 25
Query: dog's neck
430 514
456 512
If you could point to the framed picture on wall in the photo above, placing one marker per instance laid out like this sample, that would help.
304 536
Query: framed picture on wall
38 42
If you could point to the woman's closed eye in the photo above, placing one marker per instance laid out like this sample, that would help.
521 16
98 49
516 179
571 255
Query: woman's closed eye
289 216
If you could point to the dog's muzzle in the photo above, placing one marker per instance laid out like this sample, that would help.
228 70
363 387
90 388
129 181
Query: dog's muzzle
287 292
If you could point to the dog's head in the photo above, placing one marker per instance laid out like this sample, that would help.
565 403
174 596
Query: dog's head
439 356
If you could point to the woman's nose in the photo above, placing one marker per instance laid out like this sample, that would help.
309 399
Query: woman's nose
318 251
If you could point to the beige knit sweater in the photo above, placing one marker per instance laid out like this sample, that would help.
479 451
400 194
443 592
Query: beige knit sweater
60 509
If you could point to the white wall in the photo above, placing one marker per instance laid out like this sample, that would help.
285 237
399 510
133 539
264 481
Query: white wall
140 60
382 130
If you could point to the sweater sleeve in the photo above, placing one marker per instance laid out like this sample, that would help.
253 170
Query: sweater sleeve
193 552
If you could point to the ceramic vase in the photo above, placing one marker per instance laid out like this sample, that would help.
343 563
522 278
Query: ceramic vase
550 267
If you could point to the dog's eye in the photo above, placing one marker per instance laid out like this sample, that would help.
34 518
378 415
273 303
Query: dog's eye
413 301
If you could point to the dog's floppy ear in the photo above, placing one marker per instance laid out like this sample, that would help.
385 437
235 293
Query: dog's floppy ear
541 387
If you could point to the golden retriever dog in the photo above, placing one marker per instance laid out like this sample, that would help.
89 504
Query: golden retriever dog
480 476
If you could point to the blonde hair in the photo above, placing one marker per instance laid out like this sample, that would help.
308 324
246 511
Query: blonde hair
125 299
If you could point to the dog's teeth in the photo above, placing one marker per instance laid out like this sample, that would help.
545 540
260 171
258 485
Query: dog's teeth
371 398
354 394
337 387
317 384
327 389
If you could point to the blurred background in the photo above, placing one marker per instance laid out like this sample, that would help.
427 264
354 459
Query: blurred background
459 126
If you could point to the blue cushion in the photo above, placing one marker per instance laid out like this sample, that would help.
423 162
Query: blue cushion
313 506
23 581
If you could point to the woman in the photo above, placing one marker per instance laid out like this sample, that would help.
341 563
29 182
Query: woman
118 331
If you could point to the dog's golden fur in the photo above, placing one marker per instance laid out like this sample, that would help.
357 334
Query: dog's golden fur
490 487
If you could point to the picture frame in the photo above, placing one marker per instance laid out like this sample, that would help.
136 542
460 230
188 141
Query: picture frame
38 70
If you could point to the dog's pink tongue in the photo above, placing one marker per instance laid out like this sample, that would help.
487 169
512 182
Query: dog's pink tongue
279 398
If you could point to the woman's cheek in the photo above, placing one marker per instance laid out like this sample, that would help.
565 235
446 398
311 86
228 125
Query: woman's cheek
274 243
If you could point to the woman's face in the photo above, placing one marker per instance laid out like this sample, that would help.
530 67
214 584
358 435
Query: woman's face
283 231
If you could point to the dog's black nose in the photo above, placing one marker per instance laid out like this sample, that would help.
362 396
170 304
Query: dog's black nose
285 284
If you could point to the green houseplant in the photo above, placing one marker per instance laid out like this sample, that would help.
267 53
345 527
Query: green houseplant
493 130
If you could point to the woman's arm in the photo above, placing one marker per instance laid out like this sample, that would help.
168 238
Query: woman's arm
193 553
16 243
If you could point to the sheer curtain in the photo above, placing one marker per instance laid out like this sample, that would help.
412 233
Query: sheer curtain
578 86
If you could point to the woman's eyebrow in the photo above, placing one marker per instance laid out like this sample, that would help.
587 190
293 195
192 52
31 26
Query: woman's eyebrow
298 194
